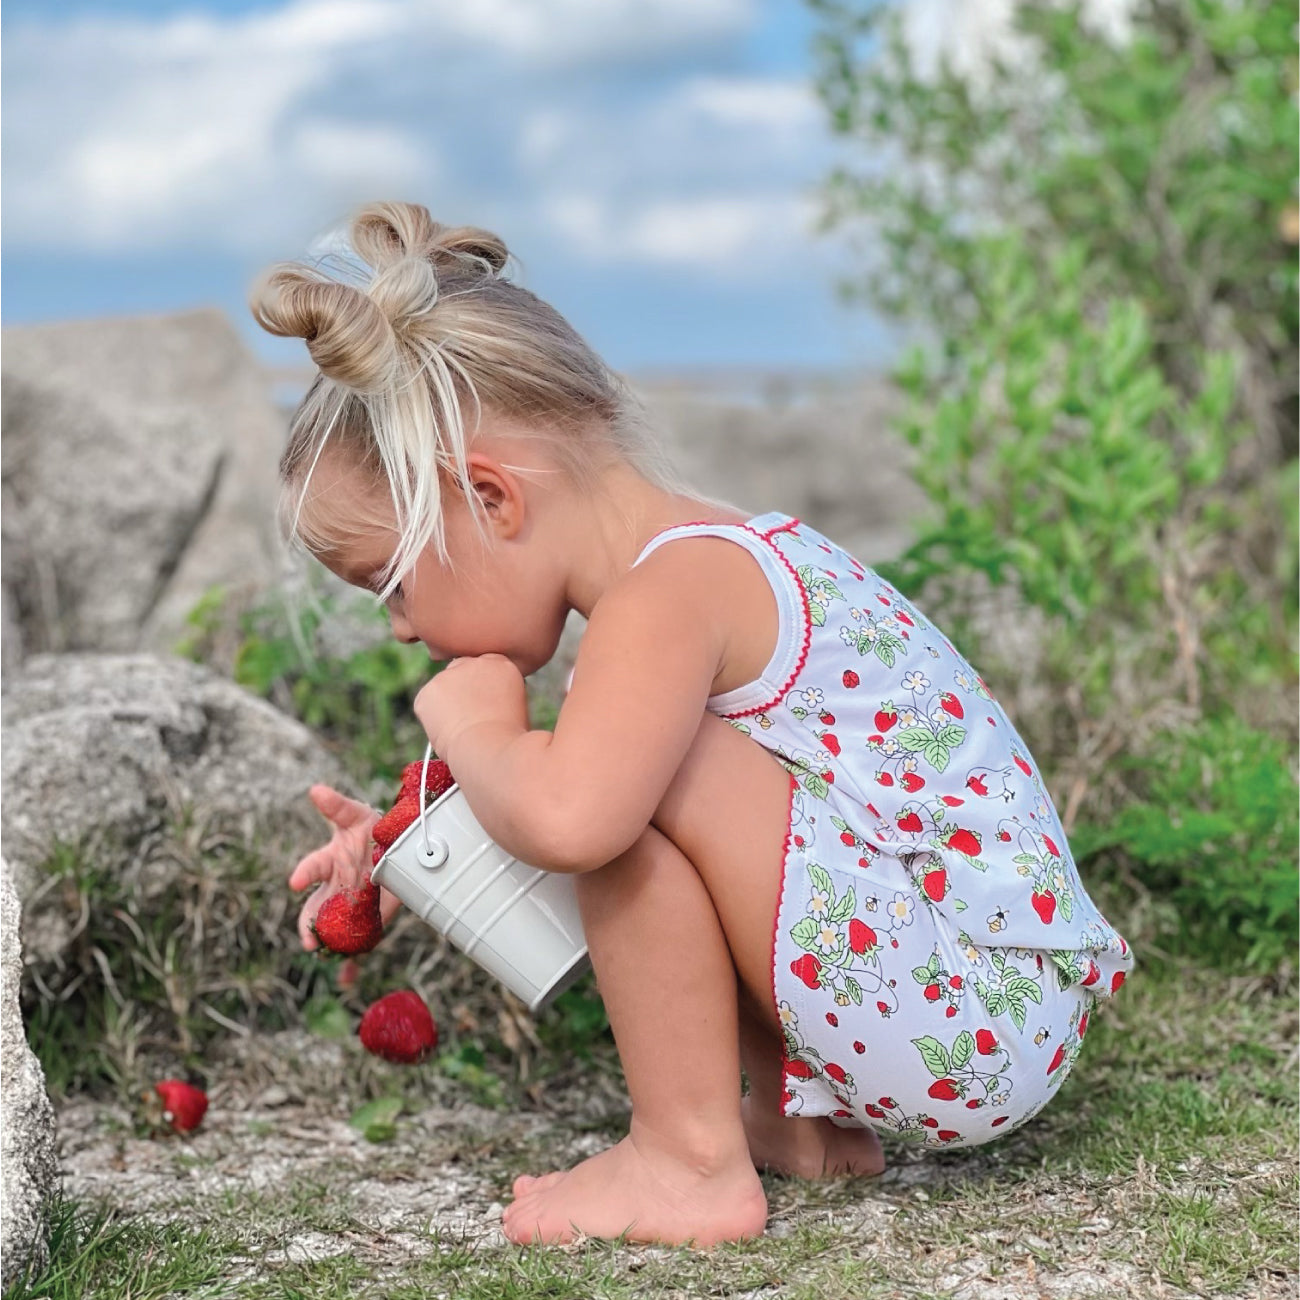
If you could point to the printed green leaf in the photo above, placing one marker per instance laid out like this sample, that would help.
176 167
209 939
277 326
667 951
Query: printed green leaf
935 1056
1017 1010
998 958
958 905
854 990
821 880
915 738
1022 987
933 964
1026 859
845 907
937 755
840 824
921 974
952 735
1066 903
963 1049
804 932
997 1003
885 653
817 613
816 785
799 711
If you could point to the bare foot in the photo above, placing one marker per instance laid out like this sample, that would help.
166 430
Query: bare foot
641 1190
809 1148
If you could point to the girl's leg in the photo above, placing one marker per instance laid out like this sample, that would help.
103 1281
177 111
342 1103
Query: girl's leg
666 976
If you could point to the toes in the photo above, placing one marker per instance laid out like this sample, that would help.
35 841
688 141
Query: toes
524 1183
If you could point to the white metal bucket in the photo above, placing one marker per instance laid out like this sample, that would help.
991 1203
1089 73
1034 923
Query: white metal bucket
521 924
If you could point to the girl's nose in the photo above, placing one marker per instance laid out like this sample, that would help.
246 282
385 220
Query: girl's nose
401 628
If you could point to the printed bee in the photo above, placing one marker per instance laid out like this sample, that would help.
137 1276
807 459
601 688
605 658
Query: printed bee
934 654
765 722
998 921
1041 1036
872 903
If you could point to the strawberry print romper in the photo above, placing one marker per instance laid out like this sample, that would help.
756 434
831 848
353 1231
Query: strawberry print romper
935 955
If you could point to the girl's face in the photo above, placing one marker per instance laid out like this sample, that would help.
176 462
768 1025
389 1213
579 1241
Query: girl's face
505 596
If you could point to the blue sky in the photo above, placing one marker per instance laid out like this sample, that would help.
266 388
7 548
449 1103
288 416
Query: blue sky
654 164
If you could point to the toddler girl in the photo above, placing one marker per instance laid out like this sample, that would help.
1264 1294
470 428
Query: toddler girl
807 840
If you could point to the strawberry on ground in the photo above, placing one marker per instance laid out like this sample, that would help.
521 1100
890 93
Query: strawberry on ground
399 1028
184 1105
349 922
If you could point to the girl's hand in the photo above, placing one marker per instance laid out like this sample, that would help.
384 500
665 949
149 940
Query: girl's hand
468 693
343 863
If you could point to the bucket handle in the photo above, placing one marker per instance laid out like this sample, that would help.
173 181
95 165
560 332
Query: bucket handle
424 776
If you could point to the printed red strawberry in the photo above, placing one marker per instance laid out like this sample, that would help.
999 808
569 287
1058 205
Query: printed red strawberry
827 717
859 1048
976 783
833 1020
874 1111
933 992
935 884
1083 1024
963 841
1093 975
884 778
1051 847
438 782
888 1103
401 815
949 703
947 1134
831 741
399 1028
944 1090
1001 1119
929 1122
902 618
886 716
862 938
851 680
1022 765
807 968
1044 902
952 801
799 1069
974 1104
836 1072
1116 980
184 1105
1004 836
909 822
955 981
828 777
848 839
349 922
985 1043
1057 1059
911 782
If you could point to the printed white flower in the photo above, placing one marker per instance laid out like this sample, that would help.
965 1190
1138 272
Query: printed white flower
1058 881
848 636
812 697
916 680
890 746
1001 1098
828 938
821 597
819 903
870 633
963 681
973 955
906 717
900 908
856 614
909 764
786 1013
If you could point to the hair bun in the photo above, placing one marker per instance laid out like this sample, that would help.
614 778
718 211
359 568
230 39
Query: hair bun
385 233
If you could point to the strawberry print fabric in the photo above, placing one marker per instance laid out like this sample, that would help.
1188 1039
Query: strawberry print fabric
935 955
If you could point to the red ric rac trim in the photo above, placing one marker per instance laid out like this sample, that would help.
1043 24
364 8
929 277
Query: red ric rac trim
807 620
776 924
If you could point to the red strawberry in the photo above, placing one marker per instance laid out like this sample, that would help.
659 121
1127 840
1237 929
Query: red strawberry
1044 902
807 968
935 884
875 812
349 922
827 717
850 679
949 703
862 938
947 1134
1051 848
836 1072
950 1012
1004 836
954 981
828 777
832 742
985 1043
952 801
886 716
1083 1024
930 1123
883 1008
932 992
974 1104
859 1048
832 1019
874 1111
902 618
911 782
962 841
976 783
438 782
799 1069
944 1090
847 838
1001 1119
884 778
1057 1059
1116 980
888 1103
399 1028
396 820
1093 975
184 1105
1022 765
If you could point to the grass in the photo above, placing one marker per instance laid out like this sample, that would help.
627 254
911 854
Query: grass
1165 1168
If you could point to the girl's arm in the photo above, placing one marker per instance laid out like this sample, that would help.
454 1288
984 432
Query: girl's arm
576 799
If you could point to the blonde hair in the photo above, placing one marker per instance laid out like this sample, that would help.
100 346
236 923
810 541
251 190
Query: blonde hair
404 348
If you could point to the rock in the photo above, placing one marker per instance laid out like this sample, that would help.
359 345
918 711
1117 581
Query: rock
28 1161
139 469
104 748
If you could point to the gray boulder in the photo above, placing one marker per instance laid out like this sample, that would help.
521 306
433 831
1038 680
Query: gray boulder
139 469
28 1162
103 749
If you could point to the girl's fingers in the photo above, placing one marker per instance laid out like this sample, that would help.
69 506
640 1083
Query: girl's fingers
316 868
389 905
307 916
342 811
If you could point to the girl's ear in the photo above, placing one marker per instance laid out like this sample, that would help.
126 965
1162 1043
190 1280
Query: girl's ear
500 493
